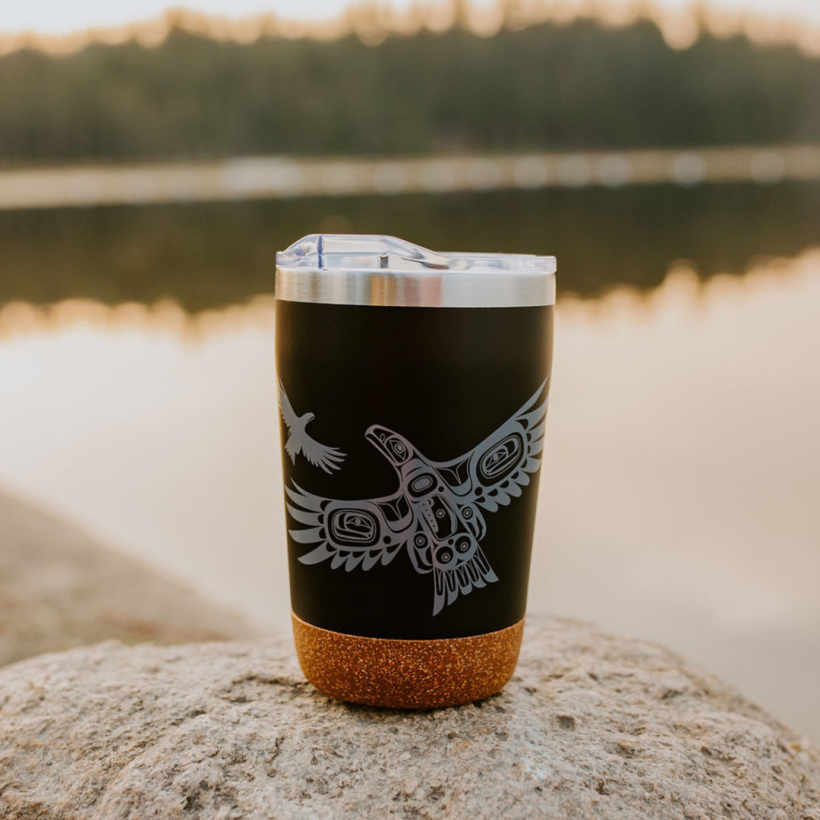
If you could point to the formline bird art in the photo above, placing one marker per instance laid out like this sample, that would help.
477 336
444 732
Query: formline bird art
300 441
437 514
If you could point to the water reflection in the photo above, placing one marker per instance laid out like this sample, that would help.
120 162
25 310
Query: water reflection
207 256
681 471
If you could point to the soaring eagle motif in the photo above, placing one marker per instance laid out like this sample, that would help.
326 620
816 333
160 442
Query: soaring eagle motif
300 441
437 513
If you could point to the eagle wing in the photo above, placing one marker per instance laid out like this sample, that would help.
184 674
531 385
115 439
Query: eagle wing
286 408
495 471
350 533
322 456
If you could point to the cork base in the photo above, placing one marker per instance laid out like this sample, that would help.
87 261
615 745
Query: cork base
402 674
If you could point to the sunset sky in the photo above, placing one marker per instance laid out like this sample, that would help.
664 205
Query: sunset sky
61 17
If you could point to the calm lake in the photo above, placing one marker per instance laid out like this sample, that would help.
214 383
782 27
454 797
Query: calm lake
680 493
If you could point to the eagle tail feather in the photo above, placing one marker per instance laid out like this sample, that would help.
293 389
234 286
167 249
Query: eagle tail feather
448 583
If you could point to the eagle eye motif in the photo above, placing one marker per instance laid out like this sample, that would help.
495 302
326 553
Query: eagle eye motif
437 512
502 459
354 527
397 447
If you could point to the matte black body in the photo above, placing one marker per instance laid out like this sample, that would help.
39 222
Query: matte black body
445 378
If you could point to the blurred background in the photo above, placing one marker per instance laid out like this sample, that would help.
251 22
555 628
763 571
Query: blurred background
153 161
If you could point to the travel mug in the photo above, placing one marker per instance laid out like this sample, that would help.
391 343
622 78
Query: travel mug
413 396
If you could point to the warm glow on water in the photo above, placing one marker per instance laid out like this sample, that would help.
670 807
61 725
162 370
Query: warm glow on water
679 498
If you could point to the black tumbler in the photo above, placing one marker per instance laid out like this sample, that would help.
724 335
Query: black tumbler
413 396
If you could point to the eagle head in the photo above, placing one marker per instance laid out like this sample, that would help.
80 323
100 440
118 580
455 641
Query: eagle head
395 448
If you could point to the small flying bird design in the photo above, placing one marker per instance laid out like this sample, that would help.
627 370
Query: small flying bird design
437 513
300 441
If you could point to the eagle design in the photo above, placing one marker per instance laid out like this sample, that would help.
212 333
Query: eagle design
300 441
437 513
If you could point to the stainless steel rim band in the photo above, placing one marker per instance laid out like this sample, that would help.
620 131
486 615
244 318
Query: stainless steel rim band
484 289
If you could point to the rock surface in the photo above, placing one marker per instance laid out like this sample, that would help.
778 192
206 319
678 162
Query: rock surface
60 589
591 726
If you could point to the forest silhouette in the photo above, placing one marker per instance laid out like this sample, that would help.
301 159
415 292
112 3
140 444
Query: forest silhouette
578 85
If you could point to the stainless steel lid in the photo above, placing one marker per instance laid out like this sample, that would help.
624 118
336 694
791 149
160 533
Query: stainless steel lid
350 269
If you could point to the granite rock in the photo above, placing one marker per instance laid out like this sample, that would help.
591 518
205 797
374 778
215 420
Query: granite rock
60 588
591 726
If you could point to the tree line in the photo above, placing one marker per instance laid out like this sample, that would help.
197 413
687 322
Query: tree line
580 85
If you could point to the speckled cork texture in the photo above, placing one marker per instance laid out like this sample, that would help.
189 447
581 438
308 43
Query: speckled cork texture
405 674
